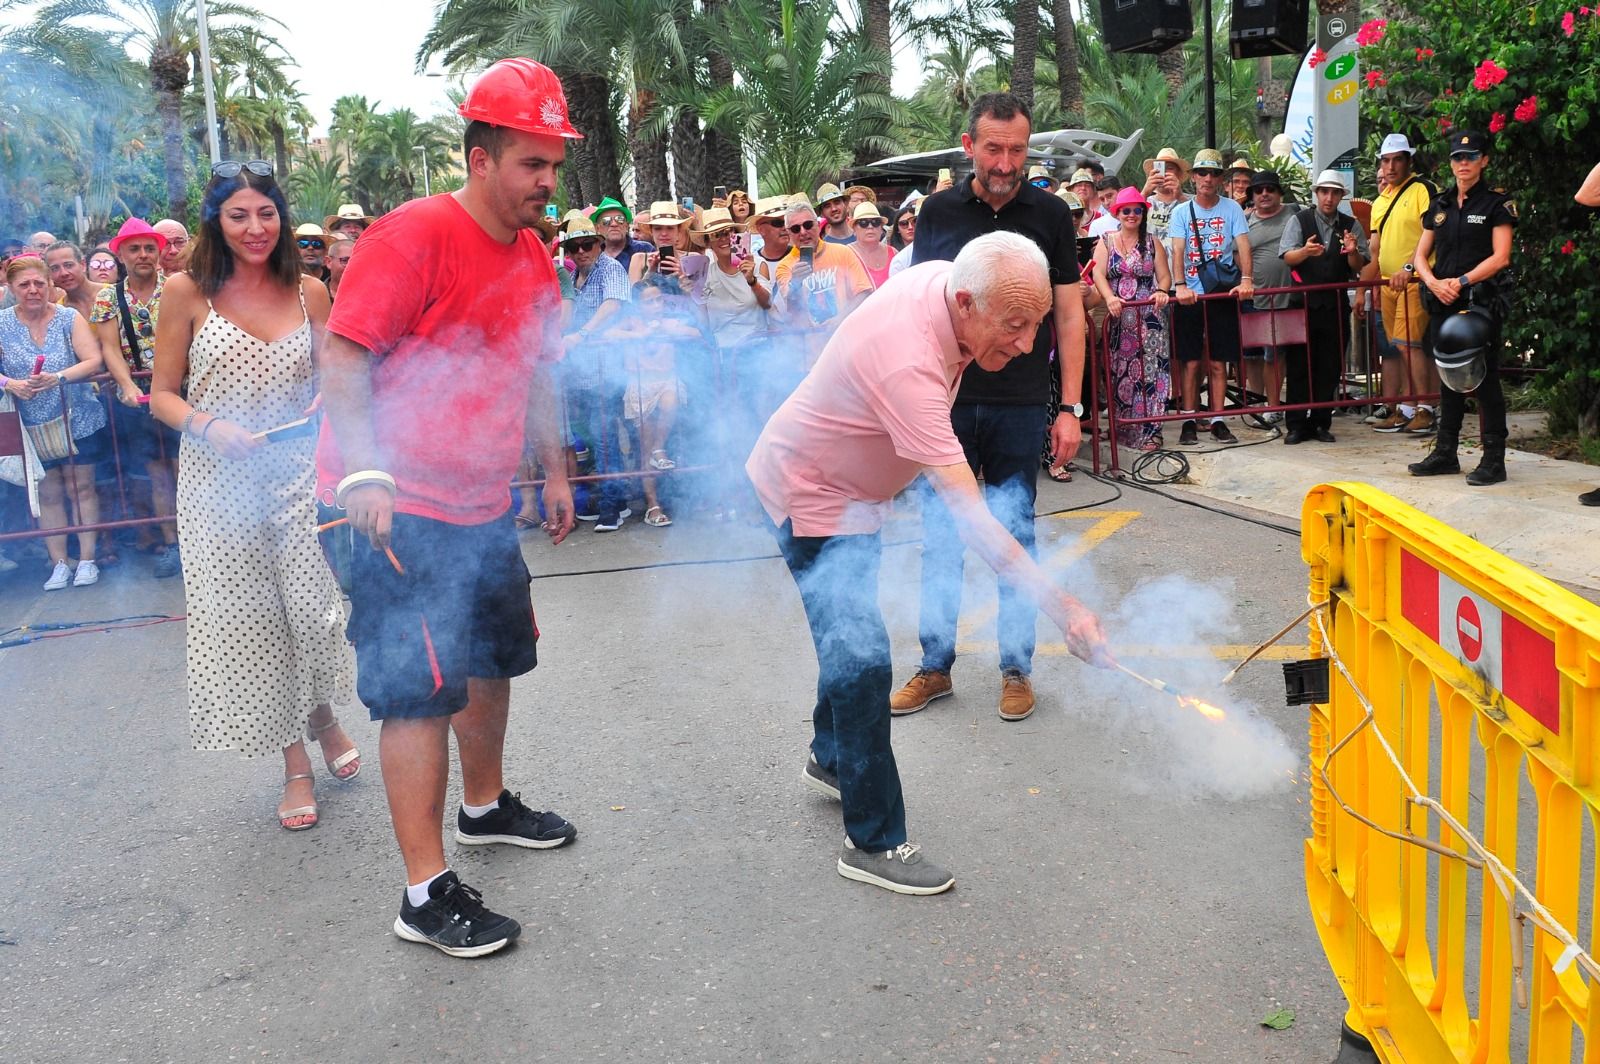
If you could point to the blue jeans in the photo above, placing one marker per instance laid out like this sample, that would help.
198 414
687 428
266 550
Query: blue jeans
1002 445
593 413
838 581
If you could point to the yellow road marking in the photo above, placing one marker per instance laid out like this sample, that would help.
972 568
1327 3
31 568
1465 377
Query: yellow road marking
1226 652
1106 524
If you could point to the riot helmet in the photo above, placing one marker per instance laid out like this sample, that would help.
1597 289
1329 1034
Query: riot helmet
1461 349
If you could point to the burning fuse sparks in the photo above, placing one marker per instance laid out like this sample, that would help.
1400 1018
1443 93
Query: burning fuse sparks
1205 709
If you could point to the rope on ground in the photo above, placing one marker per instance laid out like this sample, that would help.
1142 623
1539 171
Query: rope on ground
1504 878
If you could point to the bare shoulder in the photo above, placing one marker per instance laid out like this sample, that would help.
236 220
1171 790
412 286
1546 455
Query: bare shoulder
318 301
182 298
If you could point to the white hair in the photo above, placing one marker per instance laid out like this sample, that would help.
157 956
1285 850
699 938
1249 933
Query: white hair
993 256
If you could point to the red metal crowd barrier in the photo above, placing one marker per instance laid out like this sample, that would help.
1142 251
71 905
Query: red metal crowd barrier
713 441
1286 333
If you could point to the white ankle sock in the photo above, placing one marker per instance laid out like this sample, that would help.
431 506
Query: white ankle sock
475 811
417 893
1407 410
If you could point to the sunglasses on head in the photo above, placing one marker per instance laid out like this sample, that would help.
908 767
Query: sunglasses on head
1131 211
1465 156
230 168
870 223
310 242
803 227
583 245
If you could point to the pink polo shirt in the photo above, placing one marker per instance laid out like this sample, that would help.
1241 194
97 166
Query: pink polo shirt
872 412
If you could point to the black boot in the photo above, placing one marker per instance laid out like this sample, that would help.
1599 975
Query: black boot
1440 460
1492 468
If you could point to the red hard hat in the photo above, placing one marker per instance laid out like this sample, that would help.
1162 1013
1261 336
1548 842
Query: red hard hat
521 94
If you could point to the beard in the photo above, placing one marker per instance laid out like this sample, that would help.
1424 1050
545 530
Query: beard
999 185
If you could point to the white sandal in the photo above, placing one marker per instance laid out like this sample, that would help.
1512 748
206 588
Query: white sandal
661 462
305 810
350 756
656 517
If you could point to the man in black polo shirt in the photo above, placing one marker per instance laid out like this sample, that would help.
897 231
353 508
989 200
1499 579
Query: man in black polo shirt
1000 417
1467 234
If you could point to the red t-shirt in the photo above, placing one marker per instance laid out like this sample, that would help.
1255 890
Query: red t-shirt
455 321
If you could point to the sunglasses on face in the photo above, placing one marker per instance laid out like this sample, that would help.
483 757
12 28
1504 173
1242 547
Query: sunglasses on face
1040 182
307 242
1465 156
584 245
870 223
1131 212
229 168
102 264
613 219
906 223
1078 214
803 227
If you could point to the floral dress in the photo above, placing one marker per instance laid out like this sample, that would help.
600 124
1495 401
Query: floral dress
1141 371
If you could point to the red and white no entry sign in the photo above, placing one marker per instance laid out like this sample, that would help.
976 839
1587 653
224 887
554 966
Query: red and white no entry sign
1512 657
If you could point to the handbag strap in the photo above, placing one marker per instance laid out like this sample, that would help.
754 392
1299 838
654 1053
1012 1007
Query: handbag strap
129 333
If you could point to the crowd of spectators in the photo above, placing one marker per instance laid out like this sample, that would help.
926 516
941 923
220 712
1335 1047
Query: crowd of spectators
685 325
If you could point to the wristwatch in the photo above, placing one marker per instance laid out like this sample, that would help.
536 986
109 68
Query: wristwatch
1075 409
1463 282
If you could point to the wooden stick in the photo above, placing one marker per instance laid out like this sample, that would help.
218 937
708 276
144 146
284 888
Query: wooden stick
1285 630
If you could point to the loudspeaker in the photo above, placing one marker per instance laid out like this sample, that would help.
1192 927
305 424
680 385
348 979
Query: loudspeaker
1268 27
1145 25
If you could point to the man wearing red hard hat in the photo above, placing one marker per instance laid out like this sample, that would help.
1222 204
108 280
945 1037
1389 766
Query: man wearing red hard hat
436 359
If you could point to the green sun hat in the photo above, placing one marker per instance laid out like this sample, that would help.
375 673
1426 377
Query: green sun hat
610 204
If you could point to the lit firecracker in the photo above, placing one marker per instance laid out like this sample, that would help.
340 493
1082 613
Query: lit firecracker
1205 709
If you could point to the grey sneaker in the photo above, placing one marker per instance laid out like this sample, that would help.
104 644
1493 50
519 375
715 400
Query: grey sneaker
902 870
1379 413
170 563
820 779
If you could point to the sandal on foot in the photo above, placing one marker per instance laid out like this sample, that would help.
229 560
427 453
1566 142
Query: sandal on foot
350 759
1061 474
522 521
659 460
304 811
656 517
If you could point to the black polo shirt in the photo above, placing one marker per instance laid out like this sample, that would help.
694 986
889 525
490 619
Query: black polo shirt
1463 235
951 219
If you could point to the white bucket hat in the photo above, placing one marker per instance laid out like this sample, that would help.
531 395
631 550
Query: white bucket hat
1395 143
1331 179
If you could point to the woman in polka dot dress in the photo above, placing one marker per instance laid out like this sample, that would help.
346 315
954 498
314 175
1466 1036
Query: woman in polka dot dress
267 653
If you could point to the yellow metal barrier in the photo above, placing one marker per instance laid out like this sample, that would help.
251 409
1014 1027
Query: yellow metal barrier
1512 663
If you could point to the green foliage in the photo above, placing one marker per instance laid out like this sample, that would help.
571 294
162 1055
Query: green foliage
1425 68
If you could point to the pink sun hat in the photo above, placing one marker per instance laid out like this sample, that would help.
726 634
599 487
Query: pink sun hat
132 228
1129 197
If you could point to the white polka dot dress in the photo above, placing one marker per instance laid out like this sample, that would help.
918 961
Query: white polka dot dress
266 624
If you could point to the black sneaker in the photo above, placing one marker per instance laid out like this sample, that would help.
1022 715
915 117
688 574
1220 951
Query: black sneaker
514 824
454 920
1188 437
820 779
170 563
612 520
1222 434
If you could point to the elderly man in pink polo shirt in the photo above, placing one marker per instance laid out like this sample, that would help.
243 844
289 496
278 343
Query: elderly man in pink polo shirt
873 414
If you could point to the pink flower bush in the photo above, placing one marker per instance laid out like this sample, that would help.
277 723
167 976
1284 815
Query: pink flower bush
1318 57
1375 79
1372 32
1488 75
1569 25
1527 110
1424 53
1568 248
1444 124
1498 122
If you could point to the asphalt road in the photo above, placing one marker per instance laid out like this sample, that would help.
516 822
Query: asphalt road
1129 882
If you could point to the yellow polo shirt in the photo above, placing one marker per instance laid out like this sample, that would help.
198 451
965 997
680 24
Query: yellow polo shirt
1402 228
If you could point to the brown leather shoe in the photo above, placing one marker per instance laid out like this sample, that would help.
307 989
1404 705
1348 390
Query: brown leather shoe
921 689
1016 696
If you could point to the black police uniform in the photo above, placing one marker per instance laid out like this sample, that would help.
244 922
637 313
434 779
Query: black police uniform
1463 236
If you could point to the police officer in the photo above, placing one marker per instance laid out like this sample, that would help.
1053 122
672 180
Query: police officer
1467 234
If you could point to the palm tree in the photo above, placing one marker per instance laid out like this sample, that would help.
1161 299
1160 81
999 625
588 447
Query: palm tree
633 46
1024 48
352 115
163 33
388 167
316 188
1069 78
797 96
